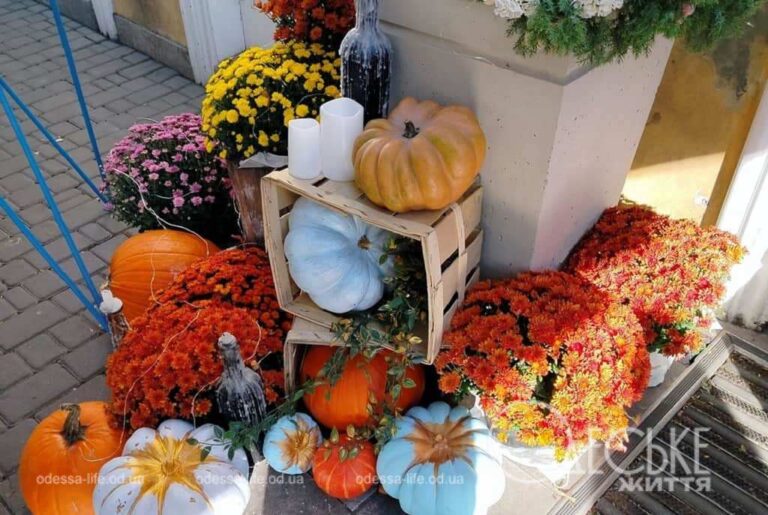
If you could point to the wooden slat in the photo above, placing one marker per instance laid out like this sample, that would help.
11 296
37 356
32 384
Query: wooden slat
471 209
273 241
450 276
438 243
431 217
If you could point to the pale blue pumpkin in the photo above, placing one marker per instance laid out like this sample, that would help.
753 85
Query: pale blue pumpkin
442 461
290 444
336 258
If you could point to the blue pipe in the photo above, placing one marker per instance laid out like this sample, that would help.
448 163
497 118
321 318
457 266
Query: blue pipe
48 196
53 264
78 87
51 139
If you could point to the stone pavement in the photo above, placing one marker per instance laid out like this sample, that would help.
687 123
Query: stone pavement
50 350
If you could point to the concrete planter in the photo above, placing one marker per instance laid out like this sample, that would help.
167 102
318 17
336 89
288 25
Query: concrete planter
561 136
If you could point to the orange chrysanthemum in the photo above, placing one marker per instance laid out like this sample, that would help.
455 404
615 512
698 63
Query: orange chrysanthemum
549 356
671 272
168 364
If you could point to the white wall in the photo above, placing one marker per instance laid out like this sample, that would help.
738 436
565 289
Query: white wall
561 137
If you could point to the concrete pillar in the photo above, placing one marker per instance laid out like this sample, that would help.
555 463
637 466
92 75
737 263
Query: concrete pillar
561 136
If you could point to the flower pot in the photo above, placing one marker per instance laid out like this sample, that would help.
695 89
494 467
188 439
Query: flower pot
246 185
659 367
540 458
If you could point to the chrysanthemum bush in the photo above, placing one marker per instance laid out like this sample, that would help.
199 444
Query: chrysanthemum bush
599 31
672 273
553 360
251 98
168 364
316 21
162 171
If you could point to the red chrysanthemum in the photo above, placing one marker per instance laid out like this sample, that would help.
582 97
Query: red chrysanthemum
552 358
168 364
671 272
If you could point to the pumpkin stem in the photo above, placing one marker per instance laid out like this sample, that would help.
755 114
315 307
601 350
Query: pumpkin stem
411 131
364 243
72 431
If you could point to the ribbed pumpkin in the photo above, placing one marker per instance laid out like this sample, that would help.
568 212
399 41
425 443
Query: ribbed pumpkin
147 262
348 399
424 156
69 446
344 469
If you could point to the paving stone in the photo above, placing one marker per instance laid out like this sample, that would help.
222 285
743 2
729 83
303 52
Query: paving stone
12 369
35 214
106 249
6 309
74 331
13 247
33 392
30 322
10 492
95 389
44 284
17 181
95 232
111 225
40 350
12 442
83 214
19 298
89 358
67 300
16 271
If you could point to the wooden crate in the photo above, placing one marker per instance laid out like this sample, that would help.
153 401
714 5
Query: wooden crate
451 241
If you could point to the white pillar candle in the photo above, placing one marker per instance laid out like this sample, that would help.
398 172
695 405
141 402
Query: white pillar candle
304 148
341 122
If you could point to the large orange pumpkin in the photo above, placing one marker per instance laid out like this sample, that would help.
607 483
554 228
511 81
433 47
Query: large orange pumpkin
148 262
344 469
424 156
348 400
62 457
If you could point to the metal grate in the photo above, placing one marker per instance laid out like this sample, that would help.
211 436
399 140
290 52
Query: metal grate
712 455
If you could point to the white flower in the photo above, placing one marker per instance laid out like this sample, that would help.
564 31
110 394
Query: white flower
592 8
513 9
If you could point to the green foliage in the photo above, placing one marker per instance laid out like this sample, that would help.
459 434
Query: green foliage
557 27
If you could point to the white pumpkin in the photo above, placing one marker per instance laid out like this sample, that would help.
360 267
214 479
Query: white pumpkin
163 471
335 258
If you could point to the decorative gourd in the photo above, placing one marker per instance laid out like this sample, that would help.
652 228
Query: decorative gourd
73 442
147 262
344 469
335 258
167 471
240 394
290 444
424 156
347 402
442 461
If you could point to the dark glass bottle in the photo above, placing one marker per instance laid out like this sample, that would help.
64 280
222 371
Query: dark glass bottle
240 395
366 62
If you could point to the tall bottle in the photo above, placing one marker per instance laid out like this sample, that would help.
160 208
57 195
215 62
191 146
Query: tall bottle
240 395
366 62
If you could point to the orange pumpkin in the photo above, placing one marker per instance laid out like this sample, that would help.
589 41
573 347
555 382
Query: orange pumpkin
424 156
62 458
148 262
344 469
348 400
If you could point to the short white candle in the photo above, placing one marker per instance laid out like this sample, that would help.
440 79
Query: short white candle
304 148
341 122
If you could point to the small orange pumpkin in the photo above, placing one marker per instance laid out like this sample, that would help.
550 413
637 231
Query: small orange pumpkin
148 262
424 156
62 457
344 469
348 400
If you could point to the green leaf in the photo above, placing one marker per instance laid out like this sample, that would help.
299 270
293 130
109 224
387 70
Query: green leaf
192 441
334 435
204 452
409 383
